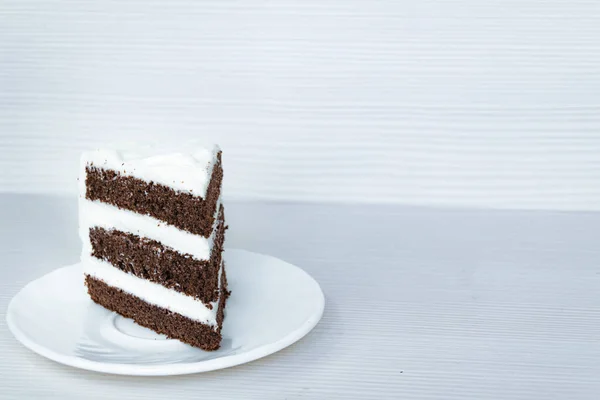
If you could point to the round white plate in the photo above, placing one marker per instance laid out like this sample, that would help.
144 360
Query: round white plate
272 305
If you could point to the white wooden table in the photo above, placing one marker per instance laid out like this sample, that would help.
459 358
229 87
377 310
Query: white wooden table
421 304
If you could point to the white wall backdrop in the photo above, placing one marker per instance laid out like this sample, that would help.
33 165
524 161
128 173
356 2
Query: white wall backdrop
450 102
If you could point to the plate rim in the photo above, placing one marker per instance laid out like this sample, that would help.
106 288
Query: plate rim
212 364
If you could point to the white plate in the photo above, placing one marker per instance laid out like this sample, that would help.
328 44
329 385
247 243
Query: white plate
272 305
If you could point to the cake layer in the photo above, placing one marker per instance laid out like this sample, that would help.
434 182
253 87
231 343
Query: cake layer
152 260
192 212
97 214
161 163
153 293
160 319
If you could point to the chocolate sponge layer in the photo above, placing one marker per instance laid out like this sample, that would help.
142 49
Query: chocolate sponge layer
149 259
161 320
186 211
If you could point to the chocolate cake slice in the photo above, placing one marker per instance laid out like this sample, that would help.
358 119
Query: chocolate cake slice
153 229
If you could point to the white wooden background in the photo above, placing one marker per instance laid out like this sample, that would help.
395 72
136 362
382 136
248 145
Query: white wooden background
491 103
449 102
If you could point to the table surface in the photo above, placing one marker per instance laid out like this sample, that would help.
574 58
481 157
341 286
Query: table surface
420 304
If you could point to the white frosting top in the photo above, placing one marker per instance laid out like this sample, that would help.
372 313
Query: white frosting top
185 171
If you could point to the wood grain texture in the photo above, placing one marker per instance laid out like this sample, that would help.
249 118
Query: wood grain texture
420 304
443 102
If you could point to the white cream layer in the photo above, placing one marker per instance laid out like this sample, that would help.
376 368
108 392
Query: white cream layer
96 213
182 169
153 293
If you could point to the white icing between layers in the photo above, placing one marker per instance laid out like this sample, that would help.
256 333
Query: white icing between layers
153 293
182 171
96 213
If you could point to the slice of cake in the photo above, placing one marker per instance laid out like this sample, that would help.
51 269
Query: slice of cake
153 228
